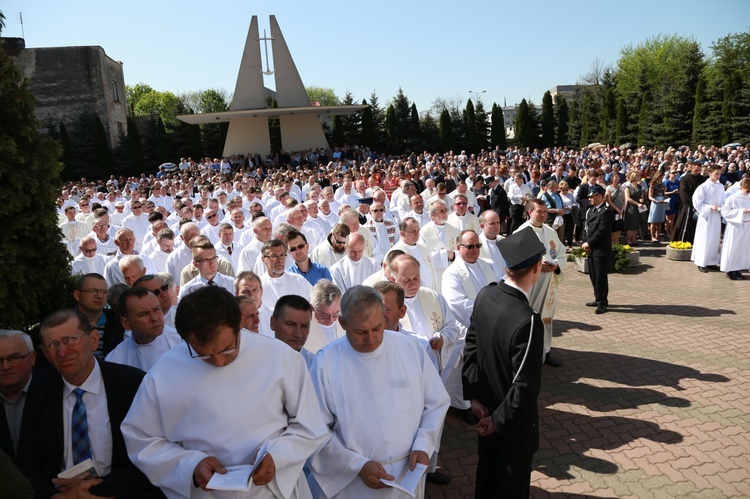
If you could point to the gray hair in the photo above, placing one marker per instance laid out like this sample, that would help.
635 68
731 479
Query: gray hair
359 298
128 260
324 293
434 203
14 333
166 278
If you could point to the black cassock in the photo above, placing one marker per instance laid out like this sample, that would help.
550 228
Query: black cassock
496 344
684 224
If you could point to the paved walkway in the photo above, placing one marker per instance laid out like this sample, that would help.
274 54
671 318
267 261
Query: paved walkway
653 398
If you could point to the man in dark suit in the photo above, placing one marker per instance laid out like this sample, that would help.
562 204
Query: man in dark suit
503 370
597 243
499 202
78 408
685 223
17 358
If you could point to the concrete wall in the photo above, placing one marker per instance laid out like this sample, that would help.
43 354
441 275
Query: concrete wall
68 81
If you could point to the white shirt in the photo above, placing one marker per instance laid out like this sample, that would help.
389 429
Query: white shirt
198 282
144 356
276 402
379 406
347 273
287 284
97 416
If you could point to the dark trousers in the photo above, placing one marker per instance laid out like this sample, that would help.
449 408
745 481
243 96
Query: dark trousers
502 475
568 227
598 268
516 217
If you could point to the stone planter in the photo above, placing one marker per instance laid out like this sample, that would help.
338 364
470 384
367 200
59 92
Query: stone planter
680 255
581 264
635 258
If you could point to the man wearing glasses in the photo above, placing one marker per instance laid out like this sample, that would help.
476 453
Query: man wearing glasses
276 281
137 222
385 232
88 260
298 248
332 249
17 358
79 410
90 294
461 218
180 450
325 299
206 261
162 285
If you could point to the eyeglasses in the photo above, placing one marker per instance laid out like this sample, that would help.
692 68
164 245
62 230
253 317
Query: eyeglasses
93 291
377 211
83 204
14 358
160 290
206 357
471 246
328 317
136 207
340 243
459 204
211 217
275 257
297 248
99 226
208 260
85 250
68 341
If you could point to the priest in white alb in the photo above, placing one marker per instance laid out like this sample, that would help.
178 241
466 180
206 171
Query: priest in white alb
149 339
429 316
462 280
382 400
489 222
735 250
355 267
543 296
708 199
411 245
276 281
212 403
325 299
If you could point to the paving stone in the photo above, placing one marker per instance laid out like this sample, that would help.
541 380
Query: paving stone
652 398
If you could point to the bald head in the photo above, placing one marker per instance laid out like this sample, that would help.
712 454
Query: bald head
355 246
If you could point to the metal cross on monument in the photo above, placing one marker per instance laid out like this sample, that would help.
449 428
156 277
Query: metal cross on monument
265 39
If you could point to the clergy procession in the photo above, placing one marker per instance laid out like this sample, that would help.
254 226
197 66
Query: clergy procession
311 323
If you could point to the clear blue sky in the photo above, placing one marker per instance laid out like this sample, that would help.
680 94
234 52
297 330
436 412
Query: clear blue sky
440 48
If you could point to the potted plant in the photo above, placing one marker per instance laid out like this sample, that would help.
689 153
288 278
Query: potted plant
680 251
578 257
623 257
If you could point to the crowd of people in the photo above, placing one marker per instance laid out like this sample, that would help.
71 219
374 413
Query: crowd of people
397 286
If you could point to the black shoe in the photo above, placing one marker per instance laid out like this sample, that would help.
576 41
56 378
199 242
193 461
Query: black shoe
469 417
735 276
703 269
438 478
551 361
713 267
592 304
600 309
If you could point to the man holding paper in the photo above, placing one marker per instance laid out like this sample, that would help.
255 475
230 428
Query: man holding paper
381 397
212 404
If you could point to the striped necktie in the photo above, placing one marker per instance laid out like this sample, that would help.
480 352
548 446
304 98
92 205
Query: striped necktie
80 429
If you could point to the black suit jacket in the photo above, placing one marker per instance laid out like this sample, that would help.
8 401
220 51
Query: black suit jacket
125 480
6 444
113 333
499 202
598 234
495 346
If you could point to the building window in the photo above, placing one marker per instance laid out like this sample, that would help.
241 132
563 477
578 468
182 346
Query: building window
115 93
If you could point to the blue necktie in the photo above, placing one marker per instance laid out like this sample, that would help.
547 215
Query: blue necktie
80 429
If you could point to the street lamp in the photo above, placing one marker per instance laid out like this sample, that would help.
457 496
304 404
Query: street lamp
476 94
